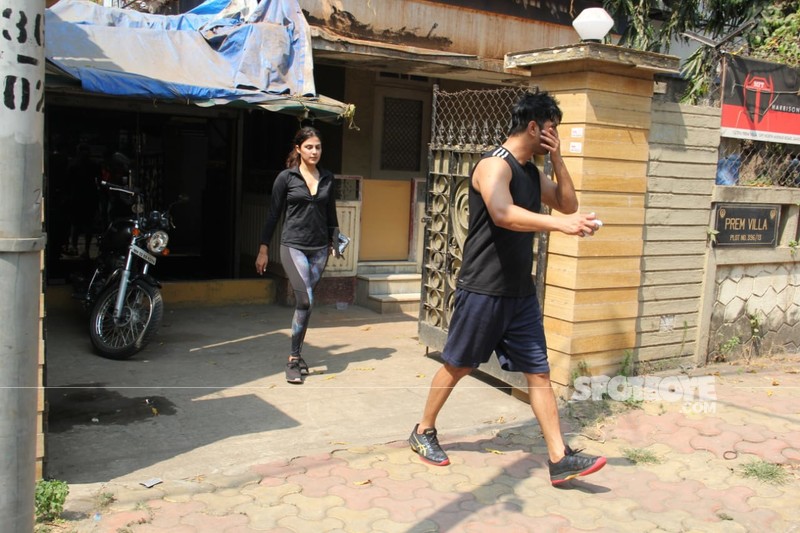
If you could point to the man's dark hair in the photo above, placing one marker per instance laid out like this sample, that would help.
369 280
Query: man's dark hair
537 106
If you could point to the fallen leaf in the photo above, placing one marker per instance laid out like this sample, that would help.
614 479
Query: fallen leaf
365 482
496 452
420 375
769 393
329 377
775 383
500 420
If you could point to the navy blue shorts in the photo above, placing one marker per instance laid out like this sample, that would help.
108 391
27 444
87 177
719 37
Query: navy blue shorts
510 327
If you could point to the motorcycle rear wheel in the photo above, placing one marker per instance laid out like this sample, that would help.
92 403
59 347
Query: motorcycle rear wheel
142 311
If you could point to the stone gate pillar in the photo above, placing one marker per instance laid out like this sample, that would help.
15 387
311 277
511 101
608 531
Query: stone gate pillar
592 284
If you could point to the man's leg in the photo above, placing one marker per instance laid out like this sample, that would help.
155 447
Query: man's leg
442 385
424 439
545 408
564 463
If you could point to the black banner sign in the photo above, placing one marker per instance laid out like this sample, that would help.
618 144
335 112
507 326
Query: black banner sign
747 225
761 101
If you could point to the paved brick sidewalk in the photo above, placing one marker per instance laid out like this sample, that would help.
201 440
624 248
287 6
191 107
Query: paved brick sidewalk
498 481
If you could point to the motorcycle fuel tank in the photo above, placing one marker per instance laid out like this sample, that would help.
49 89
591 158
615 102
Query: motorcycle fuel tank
117 236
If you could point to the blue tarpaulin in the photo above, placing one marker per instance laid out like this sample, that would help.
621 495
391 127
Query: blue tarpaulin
222 51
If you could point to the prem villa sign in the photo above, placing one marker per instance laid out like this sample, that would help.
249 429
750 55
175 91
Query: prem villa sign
747 225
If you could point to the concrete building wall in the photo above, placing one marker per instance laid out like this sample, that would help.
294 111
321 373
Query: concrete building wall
756 310
447 28
698 302
680 182
752 295
357 143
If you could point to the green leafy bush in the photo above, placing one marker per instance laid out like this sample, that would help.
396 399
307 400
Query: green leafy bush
49 500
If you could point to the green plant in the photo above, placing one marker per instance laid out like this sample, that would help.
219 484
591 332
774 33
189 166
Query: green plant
727 347
632 403
683 337
582 369
755 325
712 235
628 367
757 181
49 499
773 42
793 247
661 365
765 472
640 456
756 334
104 499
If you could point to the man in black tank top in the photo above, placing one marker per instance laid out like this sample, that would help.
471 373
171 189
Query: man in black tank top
496 309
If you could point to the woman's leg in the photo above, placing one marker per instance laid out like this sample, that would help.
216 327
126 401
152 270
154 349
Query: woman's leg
304 269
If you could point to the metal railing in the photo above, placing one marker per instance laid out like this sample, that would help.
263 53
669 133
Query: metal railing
758 164
753 163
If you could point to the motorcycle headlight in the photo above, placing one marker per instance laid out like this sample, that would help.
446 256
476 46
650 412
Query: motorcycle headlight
157 242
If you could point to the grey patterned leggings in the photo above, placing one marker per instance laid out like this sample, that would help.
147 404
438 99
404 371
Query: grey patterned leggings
304 269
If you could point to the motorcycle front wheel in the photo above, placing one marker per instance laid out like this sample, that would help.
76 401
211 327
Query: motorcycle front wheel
141 316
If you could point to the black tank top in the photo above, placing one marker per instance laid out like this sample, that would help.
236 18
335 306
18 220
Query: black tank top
498 261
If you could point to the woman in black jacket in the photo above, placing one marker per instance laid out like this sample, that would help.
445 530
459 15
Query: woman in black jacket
306 193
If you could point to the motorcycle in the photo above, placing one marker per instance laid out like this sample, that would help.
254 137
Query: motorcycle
123 299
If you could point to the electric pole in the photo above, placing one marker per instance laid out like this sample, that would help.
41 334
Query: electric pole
21 243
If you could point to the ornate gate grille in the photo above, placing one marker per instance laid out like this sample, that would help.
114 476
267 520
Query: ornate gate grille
465 125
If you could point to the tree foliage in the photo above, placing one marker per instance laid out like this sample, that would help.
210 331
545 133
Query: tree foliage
777 38
768 30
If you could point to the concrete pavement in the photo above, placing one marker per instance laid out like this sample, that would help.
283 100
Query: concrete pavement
205 414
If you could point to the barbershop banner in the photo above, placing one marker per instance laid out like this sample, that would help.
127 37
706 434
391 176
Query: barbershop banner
760 101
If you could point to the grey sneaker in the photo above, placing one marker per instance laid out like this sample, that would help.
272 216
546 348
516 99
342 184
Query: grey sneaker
426 444
293 373
303 366
574 464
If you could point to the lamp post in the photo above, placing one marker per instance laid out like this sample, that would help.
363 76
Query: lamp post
592 24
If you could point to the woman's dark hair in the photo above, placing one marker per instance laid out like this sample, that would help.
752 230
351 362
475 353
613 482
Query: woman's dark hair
305 133
539 107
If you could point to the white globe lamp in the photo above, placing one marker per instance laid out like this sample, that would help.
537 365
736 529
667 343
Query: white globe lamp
592 24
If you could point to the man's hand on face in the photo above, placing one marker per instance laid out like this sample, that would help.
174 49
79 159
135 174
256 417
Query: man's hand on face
549 140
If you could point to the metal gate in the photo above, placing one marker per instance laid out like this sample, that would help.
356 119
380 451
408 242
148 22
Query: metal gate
465 124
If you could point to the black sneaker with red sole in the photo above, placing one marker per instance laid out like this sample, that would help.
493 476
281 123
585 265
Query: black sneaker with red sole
574 464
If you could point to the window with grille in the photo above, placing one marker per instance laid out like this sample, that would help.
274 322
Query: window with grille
402 135
403 127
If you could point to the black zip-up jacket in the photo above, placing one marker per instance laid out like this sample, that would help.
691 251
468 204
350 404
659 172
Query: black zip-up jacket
310 221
